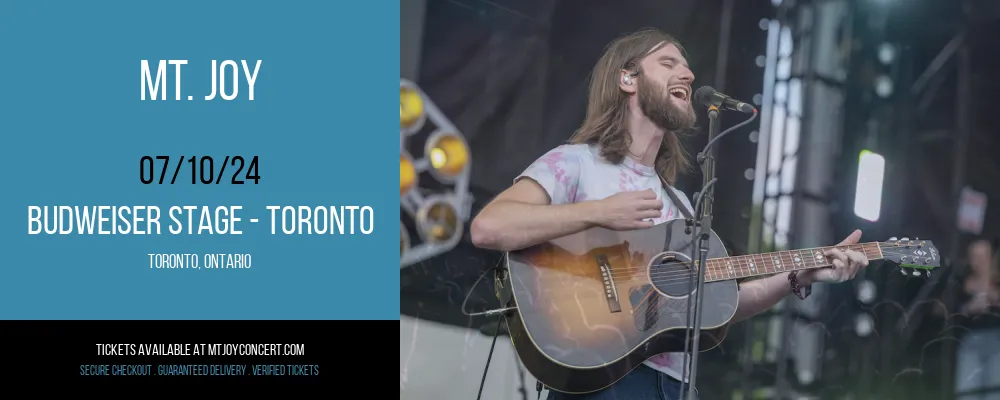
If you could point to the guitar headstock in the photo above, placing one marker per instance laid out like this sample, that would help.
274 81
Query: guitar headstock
918 256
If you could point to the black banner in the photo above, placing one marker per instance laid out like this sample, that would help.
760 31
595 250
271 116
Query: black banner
201 352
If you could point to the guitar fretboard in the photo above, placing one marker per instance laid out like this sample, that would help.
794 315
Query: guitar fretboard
721 269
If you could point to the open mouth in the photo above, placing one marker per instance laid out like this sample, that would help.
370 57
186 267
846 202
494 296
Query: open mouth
680 93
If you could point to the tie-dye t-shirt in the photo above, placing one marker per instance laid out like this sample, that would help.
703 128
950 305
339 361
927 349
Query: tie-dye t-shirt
574 173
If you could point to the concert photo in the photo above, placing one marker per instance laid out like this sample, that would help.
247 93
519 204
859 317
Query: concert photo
699 199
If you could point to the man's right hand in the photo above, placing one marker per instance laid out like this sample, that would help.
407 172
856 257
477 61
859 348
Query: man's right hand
629 210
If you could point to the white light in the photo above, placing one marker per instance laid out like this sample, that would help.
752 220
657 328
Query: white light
806 376
883 86
868 192
866 291
785 42
886 53
863 324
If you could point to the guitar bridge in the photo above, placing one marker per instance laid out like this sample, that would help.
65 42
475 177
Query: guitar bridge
610 291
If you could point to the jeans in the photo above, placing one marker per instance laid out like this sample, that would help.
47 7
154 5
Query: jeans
643 383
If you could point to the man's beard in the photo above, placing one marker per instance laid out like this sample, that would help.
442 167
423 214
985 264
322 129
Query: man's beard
655 104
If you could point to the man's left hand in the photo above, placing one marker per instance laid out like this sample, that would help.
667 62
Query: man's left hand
846 264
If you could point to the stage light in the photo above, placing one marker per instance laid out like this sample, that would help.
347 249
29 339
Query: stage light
438 210
883 86
868 192
411 107
448 155
886 53
805 376
407 174
438 221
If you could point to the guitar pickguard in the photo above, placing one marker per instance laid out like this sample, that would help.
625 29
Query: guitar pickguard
649 307
645 304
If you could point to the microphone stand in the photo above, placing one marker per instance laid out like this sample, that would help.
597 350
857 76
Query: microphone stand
702 230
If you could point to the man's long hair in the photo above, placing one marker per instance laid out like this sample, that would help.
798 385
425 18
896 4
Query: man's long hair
607 105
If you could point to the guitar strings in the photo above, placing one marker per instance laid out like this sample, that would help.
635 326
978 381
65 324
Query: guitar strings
651 311
718 267
741 266
671 276
651 308
716 273
654 310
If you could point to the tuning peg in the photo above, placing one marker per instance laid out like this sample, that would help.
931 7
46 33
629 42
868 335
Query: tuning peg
892 238
916 272
904 239
928 273
902 271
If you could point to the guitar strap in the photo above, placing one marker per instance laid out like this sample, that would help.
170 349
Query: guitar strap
682 206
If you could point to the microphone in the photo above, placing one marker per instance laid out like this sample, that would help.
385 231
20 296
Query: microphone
708 97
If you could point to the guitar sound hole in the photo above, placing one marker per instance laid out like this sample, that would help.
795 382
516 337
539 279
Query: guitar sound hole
671 276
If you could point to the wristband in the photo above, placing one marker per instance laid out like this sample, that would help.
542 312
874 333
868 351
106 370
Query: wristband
796 289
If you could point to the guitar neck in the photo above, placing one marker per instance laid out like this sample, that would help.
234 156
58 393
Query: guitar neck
727 268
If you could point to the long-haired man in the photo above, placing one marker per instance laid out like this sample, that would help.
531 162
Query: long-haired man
615 174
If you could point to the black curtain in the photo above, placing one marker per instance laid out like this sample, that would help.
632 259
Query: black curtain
513 74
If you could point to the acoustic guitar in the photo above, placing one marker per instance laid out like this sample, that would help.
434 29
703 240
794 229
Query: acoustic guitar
592 306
